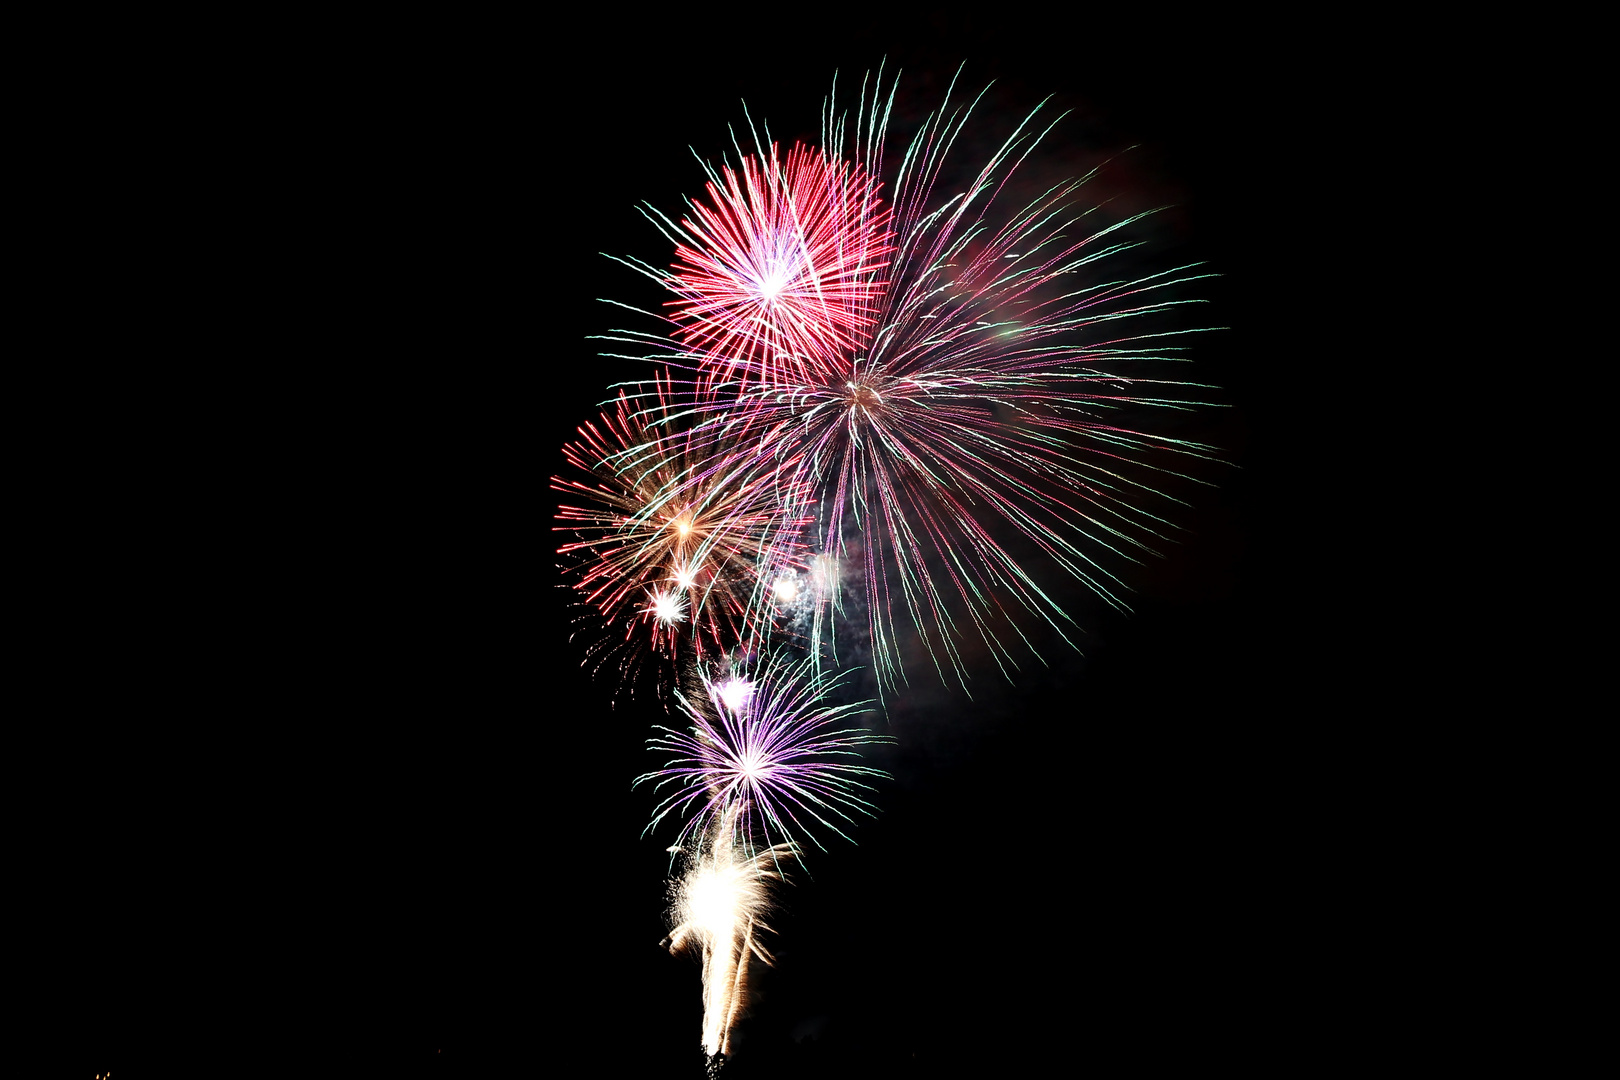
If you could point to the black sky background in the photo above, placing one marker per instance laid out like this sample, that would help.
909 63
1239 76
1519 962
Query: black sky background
374 814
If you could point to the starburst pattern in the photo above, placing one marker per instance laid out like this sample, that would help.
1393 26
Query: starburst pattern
769 751
782 263
989 430
671 538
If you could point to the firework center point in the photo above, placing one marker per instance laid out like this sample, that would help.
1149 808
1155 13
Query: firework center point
860 395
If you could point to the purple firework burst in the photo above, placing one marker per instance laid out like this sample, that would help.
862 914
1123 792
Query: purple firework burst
769 751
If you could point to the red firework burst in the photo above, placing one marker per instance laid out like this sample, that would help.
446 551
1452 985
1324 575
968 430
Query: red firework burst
785 263
673 542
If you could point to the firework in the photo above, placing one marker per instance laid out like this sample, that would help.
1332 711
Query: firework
673 544
979 423
720 905
783 263
769 752
889 414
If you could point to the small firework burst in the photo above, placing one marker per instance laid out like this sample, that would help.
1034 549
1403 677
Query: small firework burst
768 751
784 262
672 544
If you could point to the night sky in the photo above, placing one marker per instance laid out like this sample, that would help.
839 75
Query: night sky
367 810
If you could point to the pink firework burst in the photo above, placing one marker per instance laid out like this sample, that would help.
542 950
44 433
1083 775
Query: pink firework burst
975 428
784 263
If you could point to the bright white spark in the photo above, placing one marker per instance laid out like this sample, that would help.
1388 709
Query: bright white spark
734 692
685 575
754 765
667 606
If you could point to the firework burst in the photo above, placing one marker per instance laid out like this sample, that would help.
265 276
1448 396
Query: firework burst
770 752
783 263
979 421
673 542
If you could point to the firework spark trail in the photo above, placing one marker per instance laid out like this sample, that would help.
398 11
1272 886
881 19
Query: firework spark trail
769 752
720 908
669 535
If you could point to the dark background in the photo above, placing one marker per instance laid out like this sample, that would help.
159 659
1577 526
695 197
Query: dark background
340 792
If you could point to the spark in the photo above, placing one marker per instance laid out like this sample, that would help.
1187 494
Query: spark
685 576
667 606
734 692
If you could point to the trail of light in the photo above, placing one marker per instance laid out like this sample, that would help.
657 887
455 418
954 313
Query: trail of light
720 907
